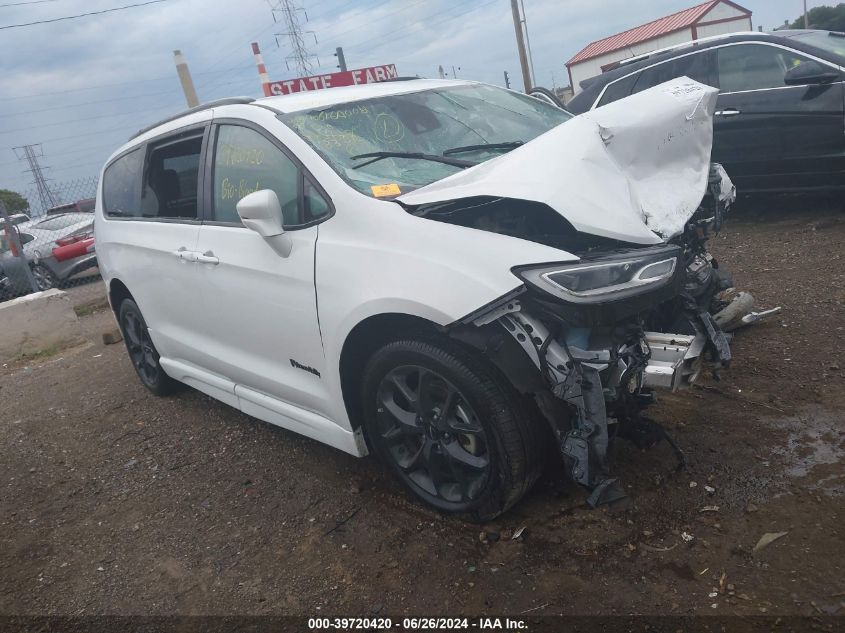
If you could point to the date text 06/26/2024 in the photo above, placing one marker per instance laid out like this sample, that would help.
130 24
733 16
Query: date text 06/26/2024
417 624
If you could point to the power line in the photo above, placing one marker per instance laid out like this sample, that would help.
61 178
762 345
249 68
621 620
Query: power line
77 150
80 15
23 4
85 103
90 118
123 127
425 22
118 83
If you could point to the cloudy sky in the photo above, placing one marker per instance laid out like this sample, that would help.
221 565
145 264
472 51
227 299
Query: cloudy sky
81 87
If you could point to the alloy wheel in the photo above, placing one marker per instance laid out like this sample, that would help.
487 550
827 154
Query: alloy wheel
140 346
43 279
433 434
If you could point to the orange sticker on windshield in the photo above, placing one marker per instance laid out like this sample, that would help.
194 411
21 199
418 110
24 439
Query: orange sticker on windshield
382 191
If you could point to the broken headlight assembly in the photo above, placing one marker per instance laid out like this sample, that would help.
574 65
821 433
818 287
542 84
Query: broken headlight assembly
607 286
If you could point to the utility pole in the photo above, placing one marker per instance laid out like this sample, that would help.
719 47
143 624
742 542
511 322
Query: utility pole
341 60
299 56
454 74
185 79
528 43
520 44
806 17
507 80
31 154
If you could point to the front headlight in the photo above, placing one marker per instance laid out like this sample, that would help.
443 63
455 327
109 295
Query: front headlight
605 277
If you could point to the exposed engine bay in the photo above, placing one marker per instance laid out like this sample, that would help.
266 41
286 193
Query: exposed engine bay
628 192
596 357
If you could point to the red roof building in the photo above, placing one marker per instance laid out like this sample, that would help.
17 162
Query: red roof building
715 17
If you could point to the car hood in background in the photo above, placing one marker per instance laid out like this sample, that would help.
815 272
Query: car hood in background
634 170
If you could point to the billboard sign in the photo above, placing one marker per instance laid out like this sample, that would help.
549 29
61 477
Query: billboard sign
370 75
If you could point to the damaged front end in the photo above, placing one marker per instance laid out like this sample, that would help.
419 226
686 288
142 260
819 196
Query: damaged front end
592 339
583 327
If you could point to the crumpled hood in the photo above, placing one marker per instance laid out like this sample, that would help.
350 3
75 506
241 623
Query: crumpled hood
634 170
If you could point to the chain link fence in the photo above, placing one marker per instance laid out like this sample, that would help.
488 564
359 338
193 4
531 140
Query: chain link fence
51 245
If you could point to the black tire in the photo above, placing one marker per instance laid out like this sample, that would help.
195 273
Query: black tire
486 427
142 352
44 277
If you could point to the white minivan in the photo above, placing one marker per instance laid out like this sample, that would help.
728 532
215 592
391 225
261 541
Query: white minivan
445 273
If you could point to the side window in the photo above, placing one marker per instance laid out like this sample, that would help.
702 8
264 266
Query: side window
694 66
754 66
170 180
5 242
245 161
316 206
122 185
618 89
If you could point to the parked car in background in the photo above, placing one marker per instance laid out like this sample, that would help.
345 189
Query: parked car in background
39 238
85 205
15 218
451 275
780 116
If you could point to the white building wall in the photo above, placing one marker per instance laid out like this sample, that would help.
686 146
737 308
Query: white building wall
742 23
721 12
592 67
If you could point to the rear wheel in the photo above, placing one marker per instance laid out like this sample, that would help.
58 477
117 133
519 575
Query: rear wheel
142 352
456 434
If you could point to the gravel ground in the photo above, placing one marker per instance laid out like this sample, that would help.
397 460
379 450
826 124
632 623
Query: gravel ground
117 502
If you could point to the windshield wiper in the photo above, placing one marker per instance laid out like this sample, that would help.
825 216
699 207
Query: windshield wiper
472 148
377 156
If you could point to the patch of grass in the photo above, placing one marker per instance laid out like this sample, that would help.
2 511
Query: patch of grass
91 307
47 352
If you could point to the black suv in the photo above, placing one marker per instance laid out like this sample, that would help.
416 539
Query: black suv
780 118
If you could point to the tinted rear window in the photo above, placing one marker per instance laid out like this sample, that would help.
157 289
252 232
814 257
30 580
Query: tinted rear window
694 66
618 89
122 185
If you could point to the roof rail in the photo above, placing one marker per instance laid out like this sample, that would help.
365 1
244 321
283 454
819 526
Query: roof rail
407 78
199 108
680 45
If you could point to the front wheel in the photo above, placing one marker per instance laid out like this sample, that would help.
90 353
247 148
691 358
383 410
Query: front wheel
452 429
142 352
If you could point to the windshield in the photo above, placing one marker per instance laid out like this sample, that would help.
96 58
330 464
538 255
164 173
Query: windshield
828 40
428 124
61 221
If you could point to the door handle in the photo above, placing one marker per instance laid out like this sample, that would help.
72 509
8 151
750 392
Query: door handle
207 258
185 255
727 112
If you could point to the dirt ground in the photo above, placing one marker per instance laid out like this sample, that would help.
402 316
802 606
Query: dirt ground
117 502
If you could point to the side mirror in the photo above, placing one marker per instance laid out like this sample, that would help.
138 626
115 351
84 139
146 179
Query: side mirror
810 73
261 212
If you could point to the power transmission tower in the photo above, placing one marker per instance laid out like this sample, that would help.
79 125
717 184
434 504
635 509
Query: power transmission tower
289 11
31 154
